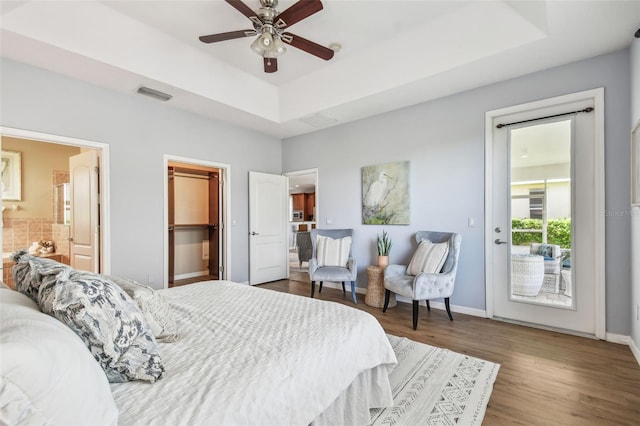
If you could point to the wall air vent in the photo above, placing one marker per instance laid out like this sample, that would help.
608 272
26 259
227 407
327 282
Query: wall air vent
156 94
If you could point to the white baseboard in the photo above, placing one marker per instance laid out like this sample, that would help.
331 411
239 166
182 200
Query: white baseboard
191 275
347 287
618 338
634 350
625 340
454 308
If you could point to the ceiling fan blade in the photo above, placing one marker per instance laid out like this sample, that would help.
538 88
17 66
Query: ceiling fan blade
270 65
245 10
212 38
308 46
297 12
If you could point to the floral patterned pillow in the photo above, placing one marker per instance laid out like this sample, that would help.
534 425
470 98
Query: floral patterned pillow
30 272
108 322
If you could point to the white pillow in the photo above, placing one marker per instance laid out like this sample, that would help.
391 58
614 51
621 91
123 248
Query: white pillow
154 306
429 257
332 252
47 375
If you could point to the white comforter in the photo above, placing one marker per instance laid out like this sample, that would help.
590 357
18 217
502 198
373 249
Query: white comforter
250 356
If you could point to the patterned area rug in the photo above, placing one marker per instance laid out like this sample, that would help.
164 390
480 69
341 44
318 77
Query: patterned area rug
433 386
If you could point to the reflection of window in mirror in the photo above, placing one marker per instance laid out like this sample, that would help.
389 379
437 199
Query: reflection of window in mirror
63 203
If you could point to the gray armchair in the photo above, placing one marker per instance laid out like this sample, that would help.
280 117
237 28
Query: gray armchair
303 244
348 272
425 286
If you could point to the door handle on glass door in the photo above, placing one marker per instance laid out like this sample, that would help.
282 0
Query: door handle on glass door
499 241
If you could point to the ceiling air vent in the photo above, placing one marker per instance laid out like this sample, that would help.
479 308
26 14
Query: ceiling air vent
156 94
319 121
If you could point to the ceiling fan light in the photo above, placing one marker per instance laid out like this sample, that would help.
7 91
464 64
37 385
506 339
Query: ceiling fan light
266 41
256 46
277 47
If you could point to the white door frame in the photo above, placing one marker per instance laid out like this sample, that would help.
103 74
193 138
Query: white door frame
599 196
105 218
225 213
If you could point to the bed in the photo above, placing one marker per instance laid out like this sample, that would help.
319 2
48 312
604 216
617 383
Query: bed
243 356
248 356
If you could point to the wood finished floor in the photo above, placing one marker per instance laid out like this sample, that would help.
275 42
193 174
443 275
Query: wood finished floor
545 378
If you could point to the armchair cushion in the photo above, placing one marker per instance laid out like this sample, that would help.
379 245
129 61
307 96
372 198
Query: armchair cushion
429 257
333 252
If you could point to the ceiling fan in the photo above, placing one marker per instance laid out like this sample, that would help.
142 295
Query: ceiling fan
269 25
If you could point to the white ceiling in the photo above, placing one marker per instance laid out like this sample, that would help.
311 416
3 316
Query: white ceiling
395 53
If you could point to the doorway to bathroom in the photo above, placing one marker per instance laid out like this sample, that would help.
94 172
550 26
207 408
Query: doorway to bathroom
196 235
61 212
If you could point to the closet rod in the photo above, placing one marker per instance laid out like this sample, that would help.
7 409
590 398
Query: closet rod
195 226
501 125
186 175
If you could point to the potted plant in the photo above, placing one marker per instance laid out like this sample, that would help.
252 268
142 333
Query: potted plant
384 247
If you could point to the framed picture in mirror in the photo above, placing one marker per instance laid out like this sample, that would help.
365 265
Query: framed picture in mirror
11 176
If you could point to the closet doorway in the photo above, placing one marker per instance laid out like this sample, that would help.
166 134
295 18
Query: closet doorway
195 200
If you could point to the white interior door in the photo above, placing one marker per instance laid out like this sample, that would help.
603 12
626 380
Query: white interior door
84 241
573 298
268 206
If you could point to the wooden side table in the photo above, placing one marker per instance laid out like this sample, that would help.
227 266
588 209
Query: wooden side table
375 288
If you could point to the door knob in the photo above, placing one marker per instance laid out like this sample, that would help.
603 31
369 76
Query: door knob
254 233
499 241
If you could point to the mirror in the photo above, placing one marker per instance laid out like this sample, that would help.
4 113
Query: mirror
62 194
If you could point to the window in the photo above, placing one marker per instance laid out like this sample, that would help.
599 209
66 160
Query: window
536 203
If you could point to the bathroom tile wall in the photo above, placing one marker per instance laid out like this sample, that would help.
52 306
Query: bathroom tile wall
20 233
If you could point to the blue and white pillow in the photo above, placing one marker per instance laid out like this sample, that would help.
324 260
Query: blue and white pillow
108 322
546 250
29 272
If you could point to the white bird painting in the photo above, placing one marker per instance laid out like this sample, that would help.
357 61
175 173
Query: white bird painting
377 191
385 193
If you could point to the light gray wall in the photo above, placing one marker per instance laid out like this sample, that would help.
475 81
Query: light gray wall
635 211
444 140
139 132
